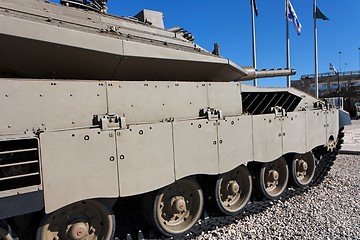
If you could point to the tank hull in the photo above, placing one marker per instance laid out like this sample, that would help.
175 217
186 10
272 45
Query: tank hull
108 128
97 109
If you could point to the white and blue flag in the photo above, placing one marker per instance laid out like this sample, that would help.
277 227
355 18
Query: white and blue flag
293 17
334 69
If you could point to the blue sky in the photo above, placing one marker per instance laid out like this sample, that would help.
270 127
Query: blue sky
229 24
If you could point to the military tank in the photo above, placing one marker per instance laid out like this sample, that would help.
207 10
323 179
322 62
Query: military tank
97 108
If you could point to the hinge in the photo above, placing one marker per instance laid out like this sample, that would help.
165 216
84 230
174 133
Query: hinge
321 105
211 113
109 121
279 111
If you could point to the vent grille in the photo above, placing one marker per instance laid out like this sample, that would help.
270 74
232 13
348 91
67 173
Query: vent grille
256 103
19 164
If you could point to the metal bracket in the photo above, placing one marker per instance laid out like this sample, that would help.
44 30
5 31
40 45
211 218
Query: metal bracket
279 111
321 105
211 113
110 121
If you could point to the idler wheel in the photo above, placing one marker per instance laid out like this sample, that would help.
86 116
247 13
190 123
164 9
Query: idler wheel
90 220
302 169
271 178
233 190
176 208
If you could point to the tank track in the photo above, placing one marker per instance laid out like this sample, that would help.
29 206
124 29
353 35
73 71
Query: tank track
325 160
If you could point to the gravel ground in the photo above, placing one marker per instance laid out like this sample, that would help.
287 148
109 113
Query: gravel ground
328 211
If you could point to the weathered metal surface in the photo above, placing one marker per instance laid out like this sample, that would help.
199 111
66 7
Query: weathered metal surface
77 165
104 136
82 45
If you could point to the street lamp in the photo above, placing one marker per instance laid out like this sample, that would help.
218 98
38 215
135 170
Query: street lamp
338 80
340 61
359 57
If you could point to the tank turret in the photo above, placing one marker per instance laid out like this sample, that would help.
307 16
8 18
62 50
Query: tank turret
78 44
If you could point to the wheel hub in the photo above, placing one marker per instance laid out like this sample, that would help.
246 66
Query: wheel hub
234 187
178 204
77 231
273 175
303 166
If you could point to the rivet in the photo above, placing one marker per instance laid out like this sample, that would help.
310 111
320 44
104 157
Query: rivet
111 135
86 138
122 157
141 132
112 158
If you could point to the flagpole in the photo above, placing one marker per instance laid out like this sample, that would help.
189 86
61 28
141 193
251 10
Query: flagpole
253 37
287 41
316 54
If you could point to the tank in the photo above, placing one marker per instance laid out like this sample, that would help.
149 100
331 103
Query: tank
101 114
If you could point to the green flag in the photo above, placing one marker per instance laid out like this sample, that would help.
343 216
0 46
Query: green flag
320 15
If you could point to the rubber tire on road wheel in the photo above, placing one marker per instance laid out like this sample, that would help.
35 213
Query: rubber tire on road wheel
280 169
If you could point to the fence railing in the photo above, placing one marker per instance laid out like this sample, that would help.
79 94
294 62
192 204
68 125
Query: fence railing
331 74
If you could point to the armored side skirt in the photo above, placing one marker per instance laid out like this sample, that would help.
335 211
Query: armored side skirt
105 139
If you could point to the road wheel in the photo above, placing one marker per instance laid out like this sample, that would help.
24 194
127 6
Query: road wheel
6 232
176 208
90 220
302 169
271 178
233 190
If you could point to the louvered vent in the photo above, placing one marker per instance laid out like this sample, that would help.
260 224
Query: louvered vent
256 103
19 163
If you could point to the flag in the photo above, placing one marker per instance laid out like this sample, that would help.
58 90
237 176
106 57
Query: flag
334 69
320 15
293 17
252 2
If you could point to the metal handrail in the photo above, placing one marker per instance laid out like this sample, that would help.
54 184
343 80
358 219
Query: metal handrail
331 74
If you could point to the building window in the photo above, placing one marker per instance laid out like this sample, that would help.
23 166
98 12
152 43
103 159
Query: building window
334 86
324 87
343 84
355 84
312 87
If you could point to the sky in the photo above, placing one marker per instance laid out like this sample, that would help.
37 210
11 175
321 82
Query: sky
228 23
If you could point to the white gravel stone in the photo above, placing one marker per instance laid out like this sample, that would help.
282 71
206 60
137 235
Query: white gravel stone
330 210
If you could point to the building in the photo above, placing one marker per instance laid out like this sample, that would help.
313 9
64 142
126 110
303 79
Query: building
328 82
345 84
